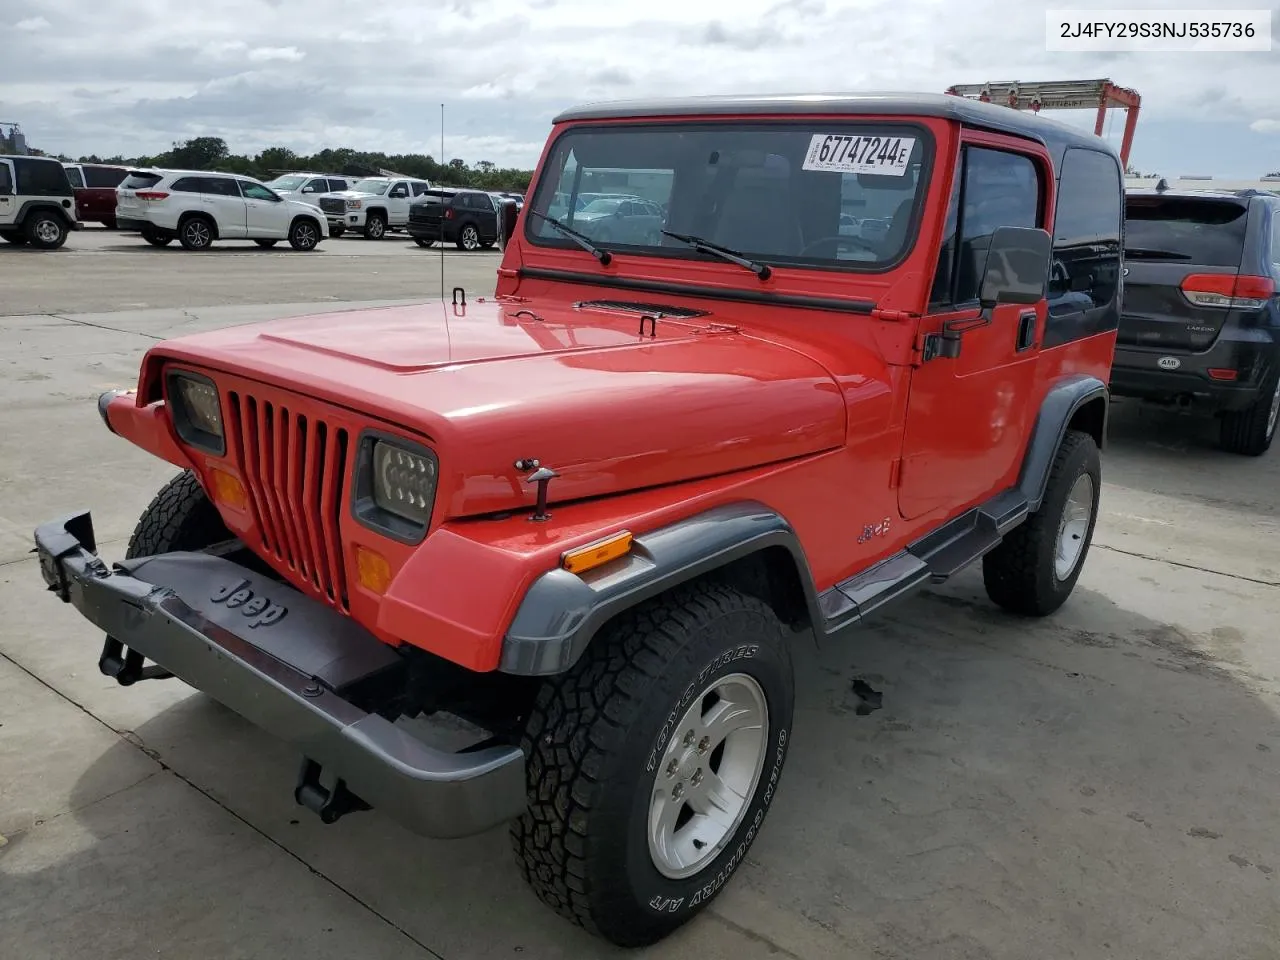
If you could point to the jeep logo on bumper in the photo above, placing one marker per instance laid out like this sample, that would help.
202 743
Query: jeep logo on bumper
261 611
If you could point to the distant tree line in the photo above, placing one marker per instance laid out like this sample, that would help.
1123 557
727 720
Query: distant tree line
211 153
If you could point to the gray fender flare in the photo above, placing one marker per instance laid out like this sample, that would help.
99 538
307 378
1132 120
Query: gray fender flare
562 611
52 204
1064 399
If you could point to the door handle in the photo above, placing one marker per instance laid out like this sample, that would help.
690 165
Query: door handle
1026 330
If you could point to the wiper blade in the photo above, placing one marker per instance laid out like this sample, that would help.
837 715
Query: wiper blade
1145 252
604 256
761 270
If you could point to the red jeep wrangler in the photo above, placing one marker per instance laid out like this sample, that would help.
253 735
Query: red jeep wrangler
590 516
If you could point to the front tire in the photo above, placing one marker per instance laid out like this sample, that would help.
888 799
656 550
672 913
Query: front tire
304 235
653 762
469 238
45 230
1034 569
375 228
157 239
1249 432
179 517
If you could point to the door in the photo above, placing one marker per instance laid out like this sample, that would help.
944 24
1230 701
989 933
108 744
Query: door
968 416
398 203
266 215
221 199
8 209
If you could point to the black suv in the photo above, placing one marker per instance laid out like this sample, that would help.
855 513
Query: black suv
467 218
1201 316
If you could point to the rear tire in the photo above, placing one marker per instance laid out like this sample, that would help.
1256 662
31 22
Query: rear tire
375 227
266 243
180 517
469 238
13 236
629 740
1034 569
1249 432
45 230
196 233
424 243
304 234
109 223
336 232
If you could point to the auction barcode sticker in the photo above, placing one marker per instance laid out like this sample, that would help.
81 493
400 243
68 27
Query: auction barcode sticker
1158 31
843 153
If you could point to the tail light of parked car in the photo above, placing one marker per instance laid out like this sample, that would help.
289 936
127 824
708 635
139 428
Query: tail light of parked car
448 214
1227 291
151 195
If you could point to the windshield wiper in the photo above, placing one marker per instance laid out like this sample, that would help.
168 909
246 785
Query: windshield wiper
761 270
604 256
1143 253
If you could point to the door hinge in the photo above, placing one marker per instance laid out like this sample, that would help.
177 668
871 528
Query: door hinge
895 474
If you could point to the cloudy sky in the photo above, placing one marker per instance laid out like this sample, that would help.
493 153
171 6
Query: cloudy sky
131 76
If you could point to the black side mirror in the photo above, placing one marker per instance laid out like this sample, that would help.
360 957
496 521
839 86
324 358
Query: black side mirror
507 214
1017 269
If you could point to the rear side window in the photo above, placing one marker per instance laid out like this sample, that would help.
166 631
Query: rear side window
42 178
188 185
220 186
1275 234
140 181
103 176
1086 231
1196 230
419 189
74 176
6 178
335 185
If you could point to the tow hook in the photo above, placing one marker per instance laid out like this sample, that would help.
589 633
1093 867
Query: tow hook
328 804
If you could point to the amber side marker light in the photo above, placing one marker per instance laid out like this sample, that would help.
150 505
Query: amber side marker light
230 491
582 559
372 570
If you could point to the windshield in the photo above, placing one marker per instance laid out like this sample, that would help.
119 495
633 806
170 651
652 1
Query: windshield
286 183
813 193
371 186
1197 230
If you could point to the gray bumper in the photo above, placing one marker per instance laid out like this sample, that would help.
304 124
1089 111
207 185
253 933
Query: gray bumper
288 664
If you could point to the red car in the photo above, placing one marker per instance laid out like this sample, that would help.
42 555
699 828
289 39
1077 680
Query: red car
592 515
95 185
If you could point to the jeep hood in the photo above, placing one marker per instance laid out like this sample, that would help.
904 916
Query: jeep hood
608 407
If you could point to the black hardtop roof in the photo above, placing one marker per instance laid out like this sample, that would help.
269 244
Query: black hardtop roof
29 158
1055 135
1236 196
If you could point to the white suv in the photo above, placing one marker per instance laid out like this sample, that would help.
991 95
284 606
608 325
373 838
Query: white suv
373 205
197 207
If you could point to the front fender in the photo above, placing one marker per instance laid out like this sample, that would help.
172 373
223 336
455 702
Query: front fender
146 426
561 611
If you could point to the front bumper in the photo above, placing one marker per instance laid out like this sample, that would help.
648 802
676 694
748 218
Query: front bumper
288 664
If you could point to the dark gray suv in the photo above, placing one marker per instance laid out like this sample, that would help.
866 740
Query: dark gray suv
1201 318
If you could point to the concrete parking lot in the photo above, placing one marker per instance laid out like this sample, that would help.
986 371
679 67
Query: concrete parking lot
1103 783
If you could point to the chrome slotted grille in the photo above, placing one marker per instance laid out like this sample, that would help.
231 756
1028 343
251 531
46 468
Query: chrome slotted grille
295 469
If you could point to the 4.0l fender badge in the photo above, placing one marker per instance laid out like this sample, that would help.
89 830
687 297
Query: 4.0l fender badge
261 611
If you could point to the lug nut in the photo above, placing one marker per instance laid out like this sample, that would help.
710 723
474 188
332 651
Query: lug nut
688 739
672 767
697 777
677 791
704 744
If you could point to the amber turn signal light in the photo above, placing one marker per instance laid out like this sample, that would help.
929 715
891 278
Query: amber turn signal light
372 570
582 559
229 491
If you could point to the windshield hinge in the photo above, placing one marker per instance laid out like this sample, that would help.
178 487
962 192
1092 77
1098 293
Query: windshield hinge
894 316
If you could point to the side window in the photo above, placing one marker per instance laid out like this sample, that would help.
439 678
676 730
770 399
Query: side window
942 278
420 188
188 185
41 178
1275 230
399 190
256 191
1085 271
73 174
315 185
6 178
220 186
1000 189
